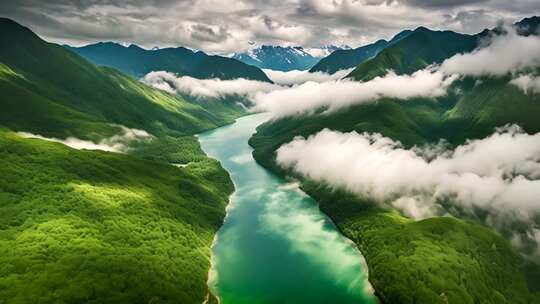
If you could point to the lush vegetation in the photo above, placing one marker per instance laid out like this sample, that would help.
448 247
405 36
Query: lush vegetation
439 260
92 226
137 62
99 227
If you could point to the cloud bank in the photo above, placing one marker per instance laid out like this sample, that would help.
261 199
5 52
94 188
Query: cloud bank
504 54
527 83
213 26
117 143
420 182
301 92
211 88
298 77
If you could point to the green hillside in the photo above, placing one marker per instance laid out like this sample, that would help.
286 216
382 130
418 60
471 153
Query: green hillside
346 59
99 227
439 260
137 62
417 50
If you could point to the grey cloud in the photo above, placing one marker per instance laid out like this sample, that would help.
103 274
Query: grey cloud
213 26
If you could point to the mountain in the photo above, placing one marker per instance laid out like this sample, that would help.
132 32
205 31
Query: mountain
345 59
278 58
89 226
417 50
430 268
137 62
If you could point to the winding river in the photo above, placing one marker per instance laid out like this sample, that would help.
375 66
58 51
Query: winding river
275 246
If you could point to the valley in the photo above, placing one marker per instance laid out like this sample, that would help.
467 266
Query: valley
404 170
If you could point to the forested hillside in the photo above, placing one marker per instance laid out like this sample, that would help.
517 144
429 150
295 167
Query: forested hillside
93 226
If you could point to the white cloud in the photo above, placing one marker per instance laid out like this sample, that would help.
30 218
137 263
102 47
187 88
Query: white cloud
299 77
484 173
116 143
301 92
527 83
211 88
334 95
504 54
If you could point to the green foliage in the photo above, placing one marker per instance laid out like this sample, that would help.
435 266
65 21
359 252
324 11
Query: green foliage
98 227
437 260
440 260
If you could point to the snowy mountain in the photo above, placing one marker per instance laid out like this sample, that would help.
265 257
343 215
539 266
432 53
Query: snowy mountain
284 58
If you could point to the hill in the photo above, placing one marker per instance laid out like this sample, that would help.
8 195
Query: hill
345 59
101 227
431 254
417 50
137 62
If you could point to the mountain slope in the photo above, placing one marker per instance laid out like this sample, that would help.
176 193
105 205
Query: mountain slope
345 59
278 58
74 94
430 259
100 227
137 62
440 260
419 49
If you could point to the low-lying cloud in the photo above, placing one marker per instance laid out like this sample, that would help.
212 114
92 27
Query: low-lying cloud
480 174
117 143
504 54
301 92
333 95
296 77
527 83
205 88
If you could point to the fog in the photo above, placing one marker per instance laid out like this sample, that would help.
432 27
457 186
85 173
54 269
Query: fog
420 182
117 143
298 77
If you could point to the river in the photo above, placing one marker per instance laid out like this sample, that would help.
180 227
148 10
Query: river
275 246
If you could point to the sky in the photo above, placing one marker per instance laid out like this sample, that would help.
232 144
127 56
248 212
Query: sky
227 26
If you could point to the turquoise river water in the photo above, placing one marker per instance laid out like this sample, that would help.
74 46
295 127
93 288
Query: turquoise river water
275 246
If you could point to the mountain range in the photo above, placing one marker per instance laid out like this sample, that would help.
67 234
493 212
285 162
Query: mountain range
472 109
137 62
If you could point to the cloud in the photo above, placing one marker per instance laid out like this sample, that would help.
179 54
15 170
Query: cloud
481 173
116 143
527 83
213 26
333 95
504 54
299 77
206 88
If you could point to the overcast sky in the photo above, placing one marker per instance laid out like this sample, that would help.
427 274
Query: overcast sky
234 25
